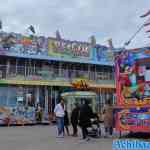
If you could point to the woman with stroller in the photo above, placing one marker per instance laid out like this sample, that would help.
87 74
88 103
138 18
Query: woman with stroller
86 114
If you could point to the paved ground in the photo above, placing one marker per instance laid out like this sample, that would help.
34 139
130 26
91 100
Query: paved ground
44 138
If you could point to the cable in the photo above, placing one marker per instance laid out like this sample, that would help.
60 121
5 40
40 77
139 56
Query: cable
133 36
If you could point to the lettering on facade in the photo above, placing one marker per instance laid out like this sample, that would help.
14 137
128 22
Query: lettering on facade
80 84
73 49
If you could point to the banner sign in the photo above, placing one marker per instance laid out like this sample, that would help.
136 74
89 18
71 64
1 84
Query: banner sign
68 48
133 121
52 48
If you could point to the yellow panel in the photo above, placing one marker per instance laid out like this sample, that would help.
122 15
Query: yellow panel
53 83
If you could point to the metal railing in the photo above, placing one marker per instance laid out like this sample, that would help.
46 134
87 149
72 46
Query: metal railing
38 73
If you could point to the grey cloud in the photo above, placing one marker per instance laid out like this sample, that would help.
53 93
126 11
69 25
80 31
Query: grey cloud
78 19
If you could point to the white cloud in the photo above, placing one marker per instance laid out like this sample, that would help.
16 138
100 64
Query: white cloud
78 19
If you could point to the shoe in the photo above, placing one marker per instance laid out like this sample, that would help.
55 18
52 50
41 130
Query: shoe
74 135
82 140
60 136
106 135
88 139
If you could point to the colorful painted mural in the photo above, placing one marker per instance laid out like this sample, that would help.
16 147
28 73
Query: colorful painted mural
132 69
52 48
104 54
19 115
16 43
64 48
133 120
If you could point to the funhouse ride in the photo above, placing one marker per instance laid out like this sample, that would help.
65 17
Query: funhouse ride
133 90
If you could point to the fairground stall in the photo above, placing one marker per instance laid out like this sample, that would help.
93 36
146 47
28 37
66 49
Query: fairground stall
79 97
35 70
133 90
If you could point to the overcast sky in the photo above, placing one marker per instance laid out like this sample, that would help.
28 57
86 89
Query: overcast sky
78 19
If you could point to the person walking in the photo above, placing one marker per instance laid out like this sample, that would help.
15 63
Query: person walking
39 114
75 119
60 113
86 114
108 119
66 123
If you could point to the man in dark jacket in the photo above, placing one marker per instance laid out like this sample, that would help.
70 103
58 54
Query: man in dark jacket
86 114
75 119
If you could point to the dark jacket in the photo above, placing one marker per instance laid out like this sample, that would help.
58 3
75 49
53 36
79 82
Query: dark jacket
86 114
75 116
66 119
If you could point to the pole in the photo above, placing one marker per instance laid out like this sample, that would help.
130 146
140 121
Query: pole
133 36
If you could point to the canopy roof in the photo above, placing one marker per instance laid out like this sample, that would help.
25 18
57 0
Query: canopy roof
79 94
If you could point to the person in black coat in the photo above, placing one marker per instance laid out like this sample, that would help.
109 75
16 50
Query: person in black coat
75 119
86 114
66 122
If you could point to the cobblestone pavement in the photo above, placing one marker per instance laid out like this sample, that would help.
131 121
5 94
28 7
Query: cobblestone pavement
44 138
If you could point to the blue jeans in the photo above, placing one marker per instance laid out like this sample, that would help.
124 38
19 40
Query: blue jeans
60 125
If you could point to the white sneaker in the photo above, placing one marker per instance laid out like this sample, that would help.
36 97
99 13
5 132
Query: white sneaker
82 140
60 136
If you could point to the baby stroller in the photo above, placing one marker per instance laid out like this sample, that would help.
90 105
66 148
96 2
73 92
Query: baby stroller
95 129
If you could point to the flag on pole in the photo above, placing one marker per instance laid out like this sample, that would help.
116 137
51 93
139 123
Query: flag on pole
146 14
32 29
